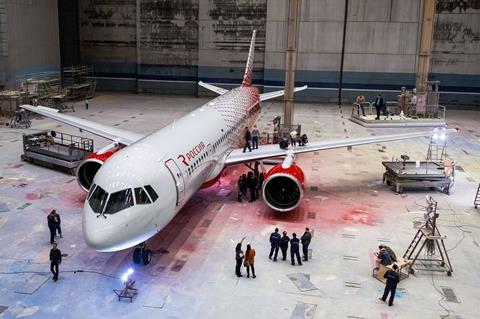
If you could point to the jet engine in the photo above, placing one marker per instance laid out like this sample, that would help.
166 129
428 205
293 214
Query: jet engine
283 187
92 163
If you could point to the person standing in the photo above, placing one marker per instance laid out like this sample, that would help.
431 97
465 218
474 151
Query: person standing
293 138
86 104
284 245
391 285
52 225
379 105
248 137
257 183
57 223
239 258
250 261
295 249
55 260
240 183
255 137
360 99
252 185
306 239
274 243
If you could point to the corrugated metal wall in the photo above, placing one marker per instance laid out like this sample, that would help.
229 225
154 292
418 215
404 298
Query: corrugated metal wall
29 41
165 46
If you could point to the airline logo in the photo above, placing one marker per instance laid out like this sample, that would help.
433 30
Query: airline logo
191 154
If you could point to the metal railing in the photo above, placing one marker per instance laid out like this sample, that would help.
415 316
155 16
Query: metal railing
393 108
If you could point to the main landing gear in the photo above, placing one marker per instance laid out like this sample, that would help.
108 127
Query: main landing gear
142 255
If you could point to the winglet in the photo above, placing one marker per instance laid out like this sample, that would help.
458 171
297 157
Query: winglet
247 77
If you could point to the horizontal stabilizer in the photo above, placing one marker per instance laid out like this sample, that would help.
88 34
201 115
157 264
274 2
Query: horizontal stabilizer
274 94
213 88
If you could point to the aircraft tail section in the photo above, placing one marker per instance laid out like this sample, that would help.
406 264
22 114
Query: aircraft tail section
247 77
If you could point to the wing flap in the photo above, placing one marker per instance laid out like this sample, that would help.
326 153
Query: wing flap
115 134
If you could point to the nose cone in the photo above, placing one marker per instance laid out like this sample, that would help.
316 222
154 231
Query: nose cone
116 232
95 232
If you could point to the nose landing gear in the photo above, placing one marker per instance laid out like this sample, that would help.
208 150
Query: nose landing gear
142 255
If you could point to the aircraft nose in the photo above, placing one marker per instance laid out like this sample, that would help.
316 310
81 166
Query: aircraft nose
95 234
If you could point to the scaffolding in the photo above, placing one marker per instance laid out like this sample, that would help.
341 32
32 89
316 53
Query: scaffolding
78 82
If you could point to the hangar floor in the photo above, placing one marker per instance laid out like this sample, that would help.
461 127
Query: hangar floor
192 272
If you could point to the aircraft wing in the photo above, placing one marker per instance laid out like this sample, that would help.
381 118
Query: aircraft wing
274 94
213 88
273 150
115 134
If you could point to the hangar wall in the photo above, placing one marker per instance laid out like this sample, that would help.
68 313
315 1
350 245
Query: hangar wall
29 40
167 46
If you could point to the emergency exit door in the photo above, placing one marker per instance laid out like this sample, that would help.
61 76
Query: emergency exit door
178 179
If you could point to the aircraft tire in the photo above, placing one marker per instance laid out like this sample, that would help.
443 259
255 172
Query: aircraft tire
146 256
137 255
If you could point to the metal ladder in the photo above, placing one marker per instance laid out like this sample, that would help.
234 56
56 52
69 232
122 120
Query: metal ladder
477 197
413 244
429 240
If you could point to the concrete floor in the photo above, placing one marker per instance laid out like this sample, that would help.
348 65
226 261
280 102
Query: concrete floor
192 272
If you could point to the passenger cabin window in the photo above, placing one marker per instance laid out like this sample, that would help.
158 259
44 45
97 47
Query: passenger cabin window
119 201
98 199
141 197
151 192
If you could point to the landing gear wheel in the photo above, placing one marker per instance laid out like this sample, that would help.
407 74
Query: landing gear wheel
146 256
449 273
412 271
137 255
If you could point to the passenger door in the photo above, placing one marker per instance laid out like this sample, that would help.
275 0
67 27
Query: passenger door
178 178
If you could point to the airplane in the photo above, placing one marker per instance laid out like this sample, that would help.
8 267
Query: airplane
138 183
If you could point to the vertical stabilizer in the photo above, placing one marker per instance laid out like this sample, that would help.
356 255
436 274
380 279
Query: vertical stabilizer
247 77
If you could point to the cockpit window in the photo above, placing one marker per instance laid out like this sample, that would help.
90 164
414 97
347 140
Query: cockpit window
151 192
141 197
98 199
119 201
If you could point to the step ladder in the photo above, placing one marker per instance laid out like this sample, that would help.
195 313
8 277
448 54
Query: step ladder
477 197
429 240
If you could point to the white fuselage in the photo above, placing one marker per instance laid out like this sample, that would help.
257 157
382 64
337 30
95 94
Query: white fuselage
175 161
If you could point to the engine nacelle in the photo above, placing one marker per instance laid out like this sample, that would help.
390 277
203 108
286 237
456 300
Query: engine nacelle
90 166
283 187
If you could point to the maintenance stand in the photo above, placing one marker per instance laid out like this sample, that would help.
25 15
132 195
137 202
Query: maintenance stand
428 238
435 172
56 150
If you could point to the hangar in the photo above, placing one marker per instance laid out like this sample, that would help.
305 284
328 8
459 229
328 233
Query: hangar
127 117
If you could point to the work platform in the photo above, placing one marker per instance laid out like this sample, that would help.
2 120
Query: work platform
415 174
56 150
435 117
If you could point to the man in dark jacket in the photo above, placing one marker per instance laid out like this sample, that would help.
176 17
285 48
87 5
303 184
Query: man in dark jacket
52 225
295 249
379 105
252 186
306 239
284 245
58 222
391 285
383 257
274 242
248 138
55 260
